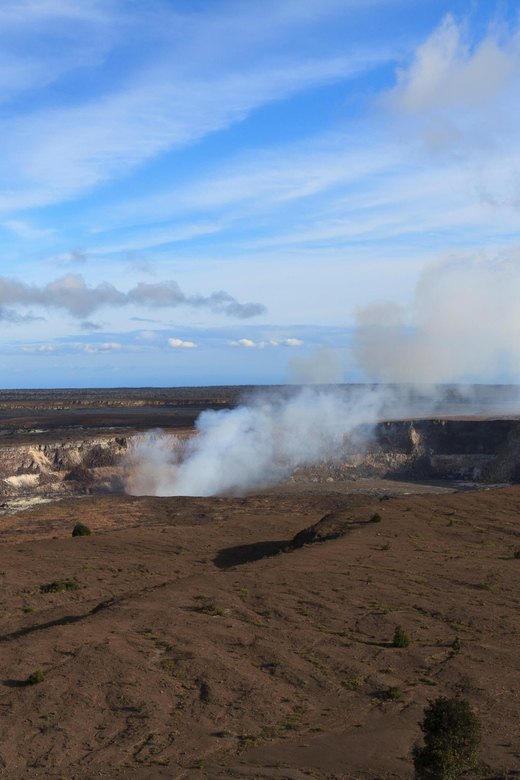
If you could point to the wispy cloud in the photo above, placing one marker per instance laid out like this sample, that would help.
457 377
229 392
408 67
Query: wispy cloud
55 154
43 41
443 155
26 231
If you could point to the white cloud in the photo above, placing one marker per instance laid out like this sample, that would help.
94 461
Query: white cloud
46 348
110 346
447 72
179 344
107 346
270 343
242 343
262 344
25 231
461 95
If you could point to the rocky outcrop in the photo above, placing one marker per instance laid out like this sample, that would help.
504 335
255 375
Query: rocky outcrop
485 451
61 467
332 526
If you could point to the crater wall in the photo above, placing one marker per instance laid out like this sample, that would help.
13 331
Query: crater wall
485 451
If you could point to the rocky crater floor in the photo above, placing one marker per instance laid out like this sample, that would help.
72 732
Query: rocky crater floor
252 637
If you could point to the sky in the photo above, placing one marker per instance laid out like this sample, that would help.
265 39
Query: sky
198 192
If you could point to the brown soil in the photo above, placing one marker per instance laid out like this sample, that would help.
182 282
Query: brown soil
202 644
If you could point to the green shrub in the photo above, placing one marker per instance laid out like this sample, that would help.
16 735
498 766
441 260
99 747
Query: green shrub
452 736
81 530
456 645
376 518
36 677
210 608
401 638
58 586
394 692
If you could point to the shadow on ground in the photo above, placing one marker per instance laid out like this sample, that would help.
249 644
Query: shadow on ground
247 553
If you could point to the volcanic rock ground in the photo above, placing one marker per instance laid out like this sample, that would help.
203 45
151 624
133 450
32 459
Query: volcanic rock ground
200 642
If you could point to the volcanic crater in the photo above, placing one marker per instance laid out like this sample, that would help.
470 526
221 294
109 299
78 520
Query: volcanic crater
251 636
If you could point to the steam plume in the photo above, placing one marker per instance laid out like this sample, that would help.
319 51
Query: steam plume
320 368
462 325
255 444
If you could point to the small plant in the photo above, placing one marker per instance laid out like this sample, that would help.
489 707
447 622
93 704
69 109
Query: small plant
456 645
58 586
393 693
210 608
376 518
81 530
452 736
401 638
516 554
36 677
353 683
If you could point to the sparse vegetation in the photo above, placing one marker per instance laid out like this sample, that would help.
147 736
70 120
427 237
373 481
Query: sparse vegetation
315 661
81 530
353 683
460 626
452 736
393 693
456 645
58 586
291 722
36 677
376 518
210 608
401 638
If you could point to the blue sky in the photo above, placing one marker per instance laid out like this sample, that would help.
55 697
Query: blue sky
217 191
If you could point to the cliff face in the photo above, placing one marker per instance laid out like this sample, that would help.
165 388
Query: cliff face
486 451
62 467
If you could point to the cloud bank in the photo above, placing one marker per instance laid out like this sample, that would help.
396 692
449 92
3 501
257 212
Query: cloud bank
73 295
